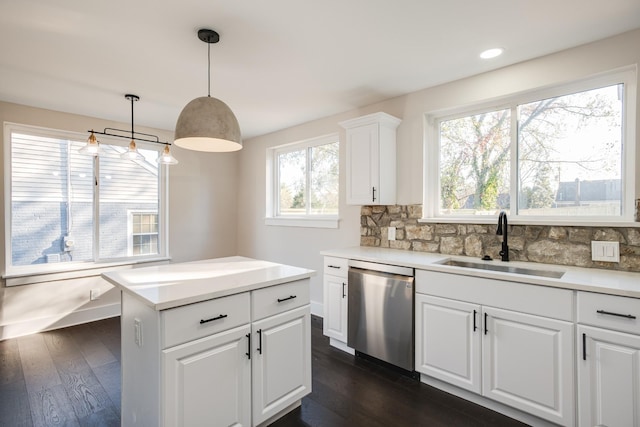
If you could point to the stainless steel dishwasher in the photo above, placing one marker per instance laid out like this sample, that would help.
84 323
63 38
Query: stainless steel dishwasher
381 313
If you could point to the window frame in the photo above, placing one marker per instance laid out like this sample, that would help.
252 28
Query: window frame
431 151
272 216
37 273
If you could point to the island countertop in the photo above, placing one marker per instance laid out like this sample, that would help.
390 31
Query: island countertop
172 285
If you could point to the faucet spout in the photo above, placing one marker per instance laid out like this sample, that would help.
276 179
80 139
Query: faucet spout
502 231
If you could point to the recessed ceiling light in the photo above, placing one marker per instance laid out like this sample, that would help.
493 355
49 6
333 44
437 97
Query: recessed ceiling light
491 53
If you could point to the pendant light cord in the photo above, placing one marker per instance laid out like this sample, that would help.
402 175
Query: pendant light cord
209 70
132 133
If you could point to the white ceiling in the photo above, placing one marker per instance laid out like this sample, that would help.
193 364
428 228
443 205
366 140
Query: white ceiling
278 63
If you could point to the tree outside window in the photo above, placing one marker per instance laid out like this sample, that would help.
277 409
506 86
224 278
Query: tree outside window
567 151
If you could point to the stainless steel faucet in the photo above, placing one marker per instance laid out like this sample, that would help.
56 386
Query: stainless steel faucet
502 231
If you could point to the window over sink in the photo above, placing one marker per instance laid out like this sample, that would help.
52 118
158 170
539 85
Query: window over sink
556 155
304 181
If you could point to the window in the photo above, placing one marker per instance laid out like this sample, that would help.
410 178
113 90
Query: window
304 180
144 233
550 156
68 210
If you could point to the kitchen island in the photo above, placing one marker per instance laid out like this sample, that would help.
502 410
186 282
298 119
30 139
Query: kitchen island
213 343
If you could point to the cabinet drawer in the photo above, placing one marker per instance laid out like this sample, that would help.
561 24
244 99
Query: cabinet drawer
190 322
280 298
336 266
609 311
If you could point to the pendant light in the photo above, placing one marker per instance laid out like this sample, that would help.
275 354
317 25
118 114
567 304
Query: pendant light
132 152
207 123
93 145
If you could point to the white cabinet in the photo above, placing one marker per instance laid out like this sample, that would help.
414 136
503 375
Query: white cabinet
448 341
527 363
281 362
208 381
608 360
371 159
509 342
239 360
336 300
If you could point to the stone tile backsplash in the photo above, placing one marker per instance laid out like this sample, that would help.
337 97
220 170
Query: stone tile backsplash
535 243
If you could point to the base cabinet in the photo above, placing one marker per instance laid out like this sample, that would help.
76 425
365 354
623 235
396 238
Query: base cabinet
527 363
336 301
240 360
608 378
208 382
522 360
281 362
448 341
335 297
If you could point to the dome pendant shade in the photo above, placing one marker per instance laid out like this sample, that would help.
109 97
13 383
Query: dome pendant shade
208 124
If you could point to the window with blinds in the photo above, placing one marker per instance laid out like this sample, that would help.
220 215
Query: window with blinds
66 207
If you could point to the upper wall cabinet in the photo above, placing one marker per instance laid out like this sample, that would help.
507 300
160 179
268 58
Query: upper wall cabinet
371 159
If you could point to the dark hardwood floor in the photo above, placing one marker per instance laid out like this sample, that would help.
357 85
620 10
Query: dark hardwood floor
71 377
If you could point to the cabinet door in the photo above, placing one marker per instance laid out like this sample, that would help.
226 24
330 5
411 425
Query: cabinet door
363 165
207 382
608 378
527 363
335 307
281 362
448 339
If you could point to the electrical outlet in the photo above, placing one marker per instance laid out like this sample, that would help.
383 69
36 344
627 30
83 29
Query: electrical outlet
391 233
94 294
605 251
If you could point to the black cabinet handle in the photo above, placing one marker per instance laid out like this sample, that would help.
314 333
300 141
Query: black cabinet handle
343 293
248 353
627 316
259 332
287 298
485 323
374 194
222 316
475 325
584 346
334 266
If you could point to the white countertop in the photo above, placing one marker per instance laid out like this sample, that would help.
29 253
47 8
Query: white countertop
583 279
172 285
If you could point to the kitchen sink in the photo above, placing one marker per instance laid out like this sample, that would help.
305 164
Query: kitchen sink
504 268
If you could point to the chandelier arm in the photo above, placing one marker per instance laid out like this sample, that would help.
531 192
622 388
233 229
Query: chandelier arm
105 133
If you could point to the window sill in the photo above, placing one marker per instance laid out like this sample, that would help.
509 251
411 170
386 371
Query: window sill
17 277
303 222
526 221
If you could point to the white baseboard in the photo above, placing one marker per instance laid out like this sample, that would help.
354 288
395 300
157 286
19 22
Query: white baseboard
341 346
42 324
317 309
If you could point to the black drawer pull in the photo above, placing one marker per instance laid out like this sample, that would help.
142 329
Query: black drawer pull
248 353
334 266
222 316
259 332
584 346
286 299
485 323
627 316
475 326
